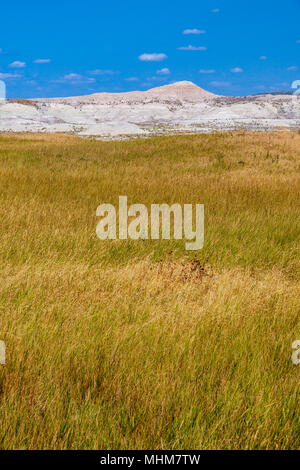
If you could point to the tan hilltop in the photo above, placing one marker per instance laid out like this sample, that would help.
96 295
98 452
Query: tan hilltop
184 91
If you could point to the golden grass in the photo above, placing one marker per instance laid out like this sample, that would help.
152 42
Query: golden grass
21 101
123 344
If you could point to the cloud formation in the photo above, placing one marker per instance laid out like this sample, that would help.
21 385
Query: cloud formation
263 57
292 68
192 48
4 76
164 71
17 64
215 10
103 72
193 31
153 57
41 61
236 70
74 79
219 84
157 78
207 71
72 76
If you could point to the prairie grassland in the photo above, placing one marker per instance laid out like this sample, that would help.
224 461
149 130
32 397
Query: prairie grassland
126 345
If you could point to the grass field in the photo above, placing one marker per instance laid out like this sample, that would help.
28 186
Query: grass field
141 344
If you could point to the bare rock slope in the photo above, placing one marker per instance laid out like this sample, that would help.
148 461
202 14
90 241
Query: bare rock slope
180 107
180 91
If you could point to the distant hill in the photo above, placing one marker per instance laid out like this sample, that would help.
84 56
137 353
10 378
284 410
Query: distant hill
178 107
274 93
182 91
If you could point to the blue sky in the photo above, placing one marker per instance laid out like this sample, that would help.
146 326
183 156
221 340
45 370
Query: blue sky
64 48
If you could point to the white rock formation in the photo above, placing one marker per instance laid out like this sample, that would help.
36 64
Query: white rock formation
182 106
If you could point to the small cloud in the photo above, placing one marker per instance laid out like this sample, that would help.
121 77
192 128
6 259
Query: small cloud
132 79
72 76
192 48
1 50
74 79
292 68
298 42
207 71
220 84
4 76
41 61
236 70
193 31
159 78
102 72
17 64
164 71
154 57
263 57
215 10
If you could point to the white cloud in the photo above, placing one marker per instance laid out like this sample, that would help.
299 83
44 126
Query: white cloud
41 61
164 71
72 76
74 79
4 76
192 48
220 84
132 79
157 78
263 57
193 31
102 72
215 10
17 64
292 68
207 71
236 70
154 57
